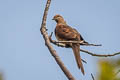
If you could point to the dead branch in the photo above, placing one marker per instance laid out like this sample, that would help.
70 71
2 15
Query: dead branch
99 55
80 42
84 61
92 76
49 46
60 44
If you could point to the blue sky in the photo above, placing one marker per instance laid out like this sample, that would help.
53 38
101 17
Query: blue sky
23 55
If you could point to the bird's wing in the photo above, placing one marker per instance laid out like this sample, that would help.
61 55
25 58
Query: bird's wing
66 32
81 38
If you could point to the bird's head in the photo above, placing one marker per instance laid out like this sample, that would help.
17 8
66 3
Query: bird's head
58 18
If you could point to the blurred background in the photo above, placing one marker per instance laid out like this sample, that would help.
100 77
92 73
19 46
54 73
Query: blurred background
24 56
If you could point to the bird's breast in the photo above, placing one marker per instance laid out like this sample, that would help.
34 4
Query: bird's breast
59 38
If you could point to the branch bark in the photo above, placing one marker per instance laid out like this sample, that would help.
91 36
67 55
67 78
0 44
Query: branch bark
49 46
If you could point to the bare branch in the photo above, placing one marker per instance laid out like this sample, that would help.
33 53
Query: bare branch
99 55
49 46
90 53
92 76
68 42
81 43
84 61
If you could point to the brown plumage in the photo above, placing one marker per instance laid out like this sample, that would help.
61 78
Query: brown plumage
63 32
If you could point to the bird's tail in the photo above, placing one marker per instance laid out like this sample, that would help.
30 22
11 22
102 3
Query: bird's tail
76 50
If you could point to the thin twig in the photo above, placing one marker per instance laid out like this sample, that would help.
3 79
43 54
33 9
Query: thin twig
92 76
49 46
99 55
84 61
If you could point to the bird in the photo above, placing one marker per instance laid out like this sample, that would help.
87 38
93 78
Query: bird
64 32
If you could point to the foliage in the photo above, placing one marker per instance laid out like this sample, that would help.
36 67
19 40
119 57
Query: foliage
109 70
